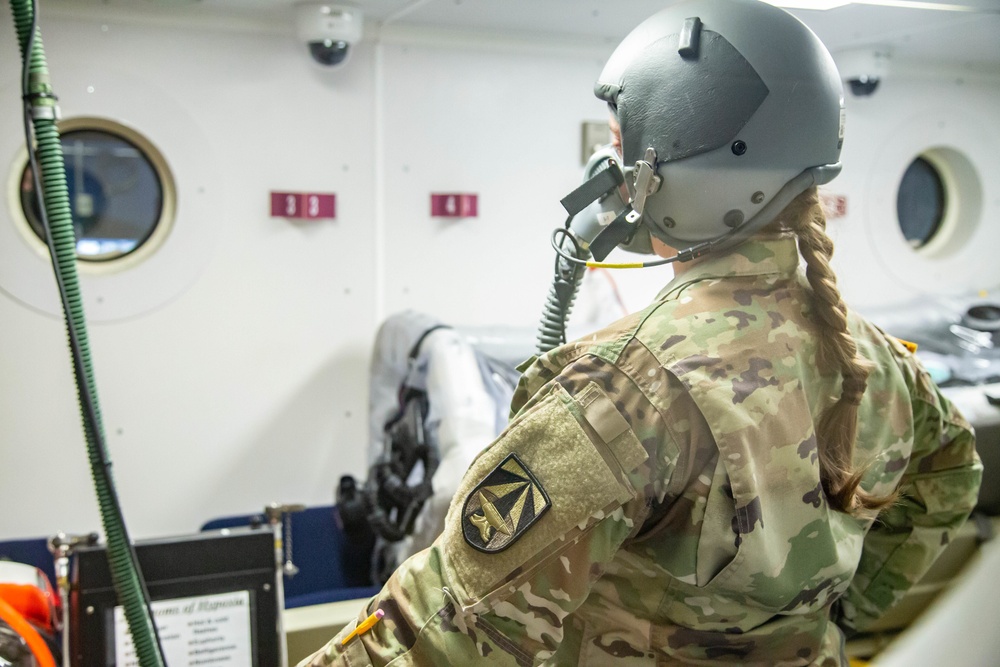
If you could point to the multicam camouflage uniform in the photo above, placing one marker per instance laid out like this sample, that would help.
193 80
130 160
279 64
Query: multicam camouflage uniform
656 497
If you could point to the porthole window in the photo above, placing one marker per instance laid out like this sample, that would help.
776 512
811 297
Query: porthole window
120 193
921 202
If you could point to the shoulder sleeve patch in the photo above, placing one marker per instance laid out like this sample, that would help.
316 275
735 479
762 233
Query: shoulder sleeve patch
503 506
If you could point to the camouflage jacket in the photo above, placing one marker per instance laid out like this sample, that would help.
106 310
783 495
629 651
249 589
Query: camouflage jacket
655 499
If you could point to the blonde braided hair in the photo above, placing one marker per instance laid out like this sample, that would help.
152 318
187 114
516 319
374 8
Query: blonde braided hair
837 352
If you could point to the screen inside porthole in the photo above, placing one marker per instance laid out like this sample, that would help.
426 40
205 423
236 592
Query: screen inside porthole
920 203
115 195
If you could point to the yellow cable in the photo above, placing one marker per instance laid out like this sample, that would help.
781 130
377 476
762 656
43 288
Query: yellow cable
629 265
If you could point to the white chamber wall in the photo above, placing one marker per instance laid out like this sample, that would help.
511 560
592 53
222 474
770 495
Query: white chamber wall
506 126
250 384
915 111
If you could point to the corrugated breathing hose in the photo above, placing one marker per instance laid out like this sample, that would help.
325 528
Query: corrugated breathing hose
591 208
41 112
562 295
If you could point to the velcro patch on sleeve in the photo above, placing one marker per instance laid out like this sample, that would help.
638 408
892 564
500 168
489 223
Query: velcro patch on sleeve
611 427
602 414
543 480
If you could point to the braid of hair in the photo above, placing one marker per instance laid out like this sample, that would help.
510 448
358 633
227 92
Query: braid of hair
837 351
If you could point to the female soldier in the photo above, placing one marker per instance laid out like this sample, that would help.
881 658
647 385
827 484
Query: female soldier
699 483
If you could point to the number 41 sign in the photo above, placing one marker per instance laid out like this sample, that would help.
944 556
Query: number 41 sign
309 205
456 205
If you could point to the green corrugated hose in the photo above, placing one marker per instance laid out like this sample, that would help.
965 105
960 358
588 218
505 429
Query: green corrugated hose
41 106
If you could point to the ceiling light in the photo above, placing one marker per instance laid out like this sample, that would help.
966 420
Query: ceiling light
823 5
915 4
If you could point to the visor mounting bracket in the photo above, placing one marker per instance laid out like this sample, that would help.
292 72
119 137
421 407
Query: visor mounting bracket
646 182
690 39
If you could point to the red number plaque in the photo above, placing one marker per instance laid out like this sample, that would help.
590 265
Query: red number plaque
306 205
455 205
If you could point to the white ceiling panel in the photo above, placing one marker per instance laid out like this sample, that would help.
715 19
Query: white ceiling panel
912 34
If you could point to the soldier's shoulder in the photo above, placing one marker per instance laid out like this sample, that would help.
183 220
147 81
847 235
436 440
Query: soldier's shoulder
605 343
889 353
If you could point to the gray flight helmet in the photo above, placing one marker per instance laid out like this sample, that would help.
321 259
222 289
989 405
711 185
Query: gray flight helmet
743 106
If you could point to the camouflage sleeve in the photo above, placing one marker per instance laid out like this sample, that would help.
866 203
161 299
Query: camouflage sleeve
534 521
937 493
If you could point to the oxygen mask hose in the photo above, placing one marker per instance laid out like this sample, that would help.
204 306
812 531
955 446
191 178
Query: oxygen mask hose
591 207
40 112
562 295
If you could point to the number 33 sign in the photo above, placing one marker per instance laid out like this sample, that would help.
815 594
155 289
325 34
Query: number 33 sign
307 205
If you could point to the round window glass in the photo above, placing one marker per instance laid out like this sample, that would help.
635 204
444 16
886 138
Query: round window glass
115 194
921 202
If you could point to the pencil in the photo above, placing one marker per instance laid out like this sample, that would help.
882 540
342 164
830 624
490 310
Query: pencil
364 626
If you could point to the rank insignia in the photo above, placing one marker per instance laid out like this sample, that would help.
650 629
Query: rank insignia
503 506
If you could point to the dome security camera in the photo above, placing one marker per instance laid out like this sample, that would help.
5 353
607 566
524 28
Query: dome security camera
863 69
328 30
863 85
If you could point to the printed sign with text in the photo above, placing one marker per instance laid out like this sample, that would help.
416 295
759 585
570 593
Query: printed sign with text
195 632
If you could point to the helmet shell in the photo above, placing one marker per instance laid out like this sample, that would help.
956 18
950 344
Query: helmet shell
753 102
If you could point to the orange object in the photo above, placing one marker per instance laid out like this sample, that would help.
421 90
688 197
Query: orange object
36 644
29 601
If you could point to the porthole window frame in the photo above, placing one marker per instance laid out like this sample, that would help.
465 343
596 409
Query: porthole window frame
962 193
168 207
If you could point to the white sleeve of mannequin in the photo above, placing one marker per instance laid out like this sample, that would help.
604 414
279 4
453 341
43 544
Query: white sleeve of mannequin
463 412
